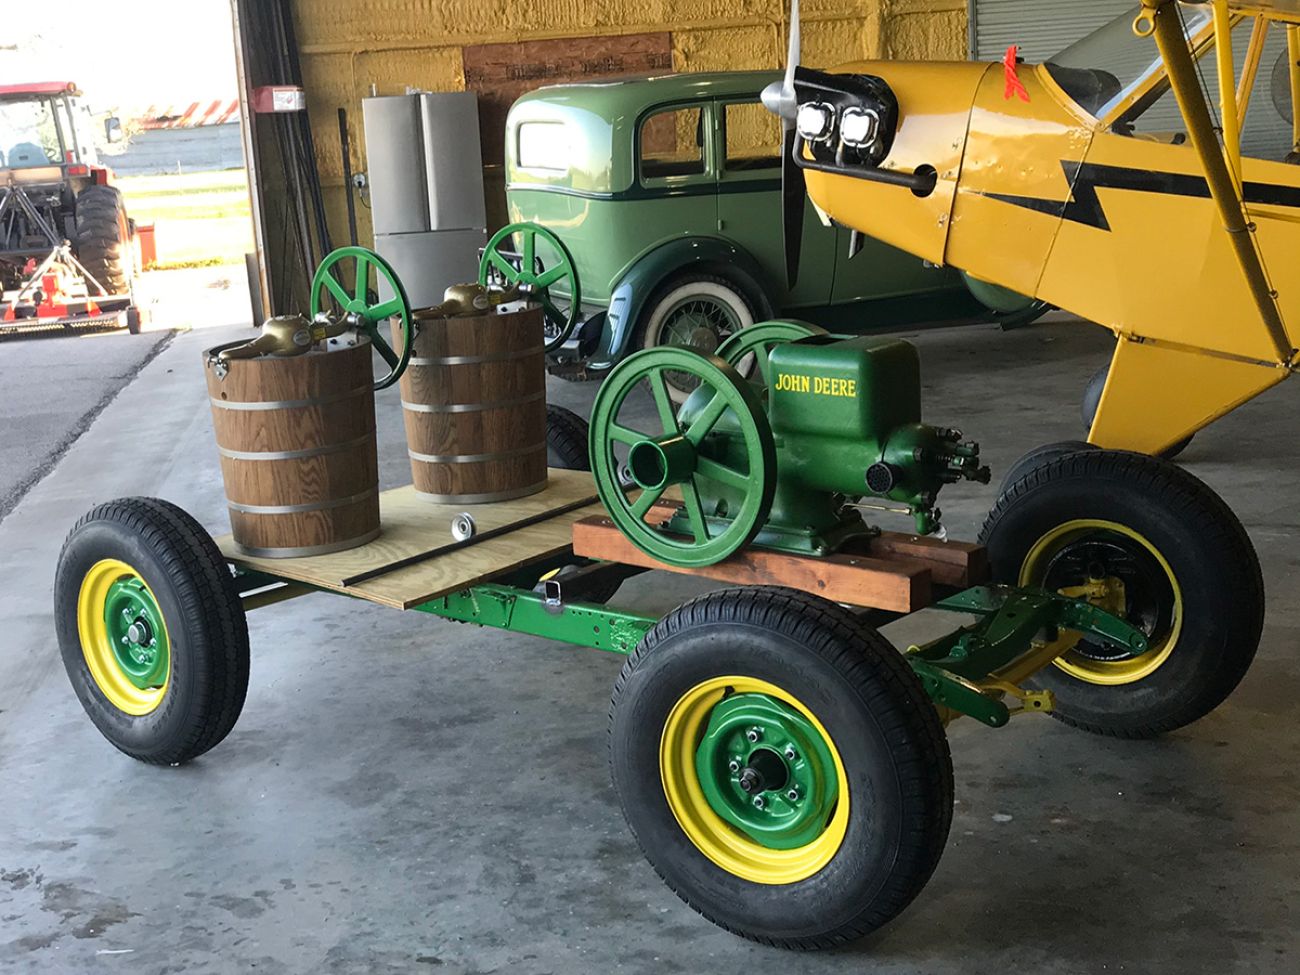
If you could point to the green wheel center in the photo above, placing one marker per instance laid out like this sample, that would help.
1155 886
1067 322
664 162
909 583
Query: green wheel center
766 770
135 628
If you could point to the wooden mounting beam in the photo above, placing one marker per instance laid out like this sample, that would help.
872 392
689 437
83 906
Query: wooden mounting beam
897 585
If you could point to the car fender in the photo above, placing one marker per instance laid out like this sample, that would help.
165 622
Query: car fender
630 293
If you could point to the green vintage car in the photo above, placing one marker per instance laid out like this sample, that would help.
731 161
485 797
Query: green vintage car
666 192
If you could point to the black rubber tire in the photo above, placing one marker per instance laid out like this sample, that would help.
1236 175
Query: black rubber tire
1039 456
870 702
567 449
1092 399
566 440
646 334
205 622
103 243
1010 320
1207 550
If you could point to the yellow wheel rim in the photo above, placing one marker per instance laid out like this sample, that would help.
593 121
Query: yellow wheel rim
1107 594
132 671
717 839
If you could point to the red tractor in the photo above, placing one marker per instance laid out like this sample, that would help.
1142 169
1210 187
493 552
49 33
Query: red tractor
67 249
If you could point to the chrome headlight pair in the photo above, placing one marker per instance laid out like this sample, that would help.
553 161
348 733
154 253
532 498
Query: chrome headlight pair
859 128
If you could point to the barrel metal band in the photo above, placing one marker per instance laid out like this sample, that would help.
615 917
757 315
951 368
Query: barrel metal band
487 498
288 404
472 360
305 550
333 448
499 404
292 509
474 458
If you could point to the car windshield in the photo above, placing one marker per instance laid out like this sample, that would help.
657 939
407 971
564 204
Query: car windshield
1102 70
29 134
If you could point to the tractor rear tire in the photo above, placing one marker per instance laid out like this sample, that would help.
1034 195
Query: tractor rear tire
104 239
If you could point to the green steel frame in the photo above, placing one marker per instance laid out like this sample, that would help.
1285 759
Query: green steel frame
968 671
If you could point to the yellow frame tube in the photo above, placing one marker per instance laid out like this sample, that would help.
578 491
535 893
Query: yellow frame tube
1227 90
1250 70
1293 52
1223 187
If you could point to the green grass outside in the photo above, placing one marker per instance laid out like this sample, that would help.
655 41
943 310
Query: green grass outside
199 218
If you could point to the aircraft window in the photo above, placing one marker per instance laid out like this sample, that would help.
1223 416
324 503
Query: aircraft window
1266 132
1098 71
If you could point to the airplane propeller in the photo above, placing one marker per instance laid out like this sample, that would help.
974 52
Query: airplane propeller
779 98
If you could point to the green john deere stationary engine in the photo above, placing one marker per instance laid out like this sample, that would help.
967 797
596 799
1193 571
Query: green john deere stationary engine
786 458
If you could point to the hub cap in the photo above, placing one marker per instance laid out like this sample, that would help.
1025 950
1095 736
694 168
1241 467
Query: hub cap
123 637
1114 567
754 780
700 323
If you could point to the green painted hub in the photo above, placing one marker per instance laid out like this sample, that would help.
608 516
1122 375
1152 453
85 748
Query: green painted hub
767 771
135 625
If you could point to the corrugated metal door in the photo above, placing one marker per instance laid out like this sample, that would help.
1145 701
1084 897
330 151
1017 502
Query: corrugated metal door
1040 27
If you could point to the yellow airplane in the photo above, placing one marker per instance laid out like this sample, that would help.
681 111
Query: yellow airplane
1050 180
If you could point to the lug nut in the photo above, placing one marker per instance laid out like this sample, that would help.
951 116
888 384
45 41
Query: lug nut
733 766
753 734
789 753
758 802
793 795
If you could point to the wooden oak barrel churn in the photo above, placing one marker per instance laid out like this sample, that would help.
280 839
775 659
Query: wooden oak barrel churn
474 402
297 441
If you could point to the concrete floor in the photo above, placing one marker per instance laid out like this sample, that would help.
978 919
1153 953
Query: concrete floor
404 796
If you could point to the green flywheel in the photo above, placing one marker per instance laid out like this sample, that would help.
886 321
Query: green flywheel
758 341
354 299
547 274
672 456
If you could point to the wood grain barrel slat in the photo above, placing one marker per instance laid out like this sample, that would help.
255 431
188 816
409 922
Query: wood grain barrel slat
474 405
297 445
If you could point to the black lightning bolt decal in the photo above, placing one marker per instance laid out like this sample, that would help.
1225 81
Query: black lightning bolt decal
1084 206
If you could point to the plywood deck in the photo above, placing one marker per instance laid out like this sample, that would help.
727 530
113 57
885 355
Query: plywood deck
415 529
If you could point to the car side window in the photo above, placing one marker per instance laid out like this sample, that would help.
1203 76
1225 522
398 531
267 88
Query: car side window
753 137
672 143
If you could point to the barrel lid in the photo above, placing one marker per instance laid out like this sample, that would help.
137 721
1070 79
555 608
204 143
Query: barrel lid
341 343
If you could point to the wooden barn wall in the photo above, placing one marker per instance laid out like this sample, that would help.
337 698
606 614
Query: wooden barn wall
503 47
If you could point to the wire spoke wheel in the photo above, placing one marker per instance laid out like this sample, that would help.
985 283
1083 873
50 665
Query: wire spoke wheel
670 456
353 297
543 269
